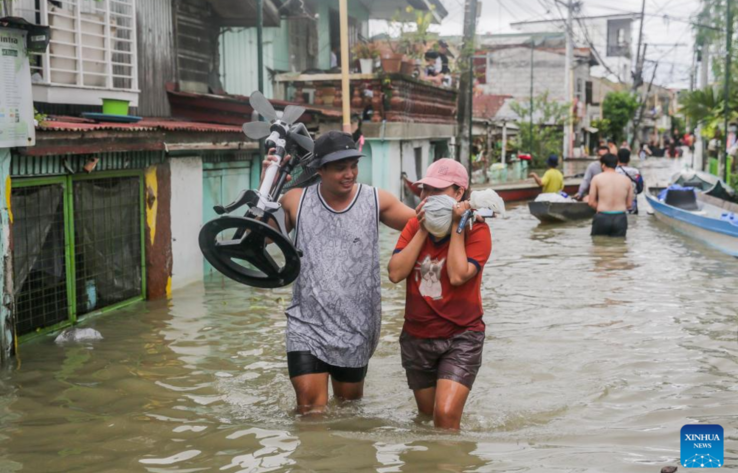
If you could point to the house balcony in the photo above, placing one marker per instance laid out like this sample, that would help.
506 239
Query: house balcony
91 54
389 97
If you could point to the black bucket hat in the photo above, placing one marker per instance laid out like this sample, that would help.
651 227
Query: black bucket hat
333 146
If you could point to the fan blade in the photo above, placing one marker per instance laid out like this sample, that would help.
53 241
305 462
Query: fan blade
292 113
262 105
256 130
303 141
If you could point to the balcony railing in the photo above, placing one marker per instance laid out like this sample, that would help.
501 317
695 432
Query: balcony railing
92 45
391 97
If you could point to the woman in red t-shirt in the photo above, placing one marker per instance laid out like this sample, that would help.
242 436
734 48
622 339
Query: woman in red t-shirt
443 334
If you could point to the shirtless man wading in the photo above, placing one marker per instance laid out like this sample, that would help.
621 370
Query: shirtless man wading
611 194
334 319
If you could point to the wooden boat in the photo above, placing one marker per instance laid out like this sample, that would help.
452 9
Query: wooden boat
527 190
698 216
558 212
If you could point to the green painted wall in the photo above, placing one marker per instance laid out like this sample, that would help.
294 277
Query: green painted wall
222 183
380 162
356 10
6 320
238 49
238 64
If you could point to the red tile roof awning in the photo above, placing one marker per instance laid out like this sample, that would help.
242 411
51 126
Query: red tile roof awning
147 124
487 106
231 109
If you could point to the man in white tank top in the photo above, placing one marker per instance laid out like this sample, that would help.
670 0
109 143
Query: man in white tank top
334 319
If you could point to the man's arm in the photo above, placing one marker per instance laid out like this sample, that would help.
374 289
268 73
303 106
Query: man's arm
536 178
593 194
460 270
630 198
586 181
290 200
392 212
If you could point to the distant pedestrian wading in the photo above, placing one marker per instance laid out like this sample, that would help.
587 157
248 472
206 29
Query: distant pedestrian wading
612 195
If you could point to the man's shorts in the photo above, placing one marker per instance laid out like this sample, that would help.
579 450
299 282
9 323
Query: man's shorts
610 224
426 360
303 362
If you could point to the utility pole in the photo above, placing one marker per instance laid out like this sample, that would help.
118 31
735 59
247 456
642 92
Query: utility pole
704 65
638 82
638 75
699 147
639 112
260 62
530 123
466 83
568 80
723 167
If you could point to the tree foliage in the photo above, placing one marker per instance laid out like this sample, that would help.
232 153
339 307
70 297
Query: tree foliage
618 109
707 108
546 135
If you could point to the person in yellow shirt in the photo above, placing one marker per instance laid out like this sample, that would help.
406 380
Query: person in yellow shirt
552 180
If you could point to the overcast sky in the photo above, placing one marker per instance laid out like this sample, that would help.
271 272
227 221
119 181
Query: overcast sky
661 34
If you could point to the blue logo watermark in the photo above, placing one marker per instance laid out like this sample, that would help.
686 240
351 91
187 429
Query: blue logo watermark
702 446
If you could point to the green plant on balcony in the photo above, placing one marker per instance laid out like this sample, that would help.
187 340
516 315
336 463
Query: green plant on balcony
365 50
414 33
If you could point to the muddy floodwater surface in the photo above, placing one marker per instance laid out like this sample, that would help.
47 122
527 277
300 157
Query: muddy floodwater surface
597 353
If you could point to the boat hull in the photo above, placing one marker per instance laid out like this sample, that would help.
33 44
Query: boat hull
519 193
560 212
711 231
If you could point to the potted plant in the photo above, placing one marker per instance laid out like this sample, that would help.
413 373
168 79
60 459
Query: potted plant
414 38
367 53
390 57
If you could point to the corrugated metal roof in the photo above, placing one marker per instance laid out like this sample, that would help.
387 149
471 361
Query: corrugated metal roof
147 124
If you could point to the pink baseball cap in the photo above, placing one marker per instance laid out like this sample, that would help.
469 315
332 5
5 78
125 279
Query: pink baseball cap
444 173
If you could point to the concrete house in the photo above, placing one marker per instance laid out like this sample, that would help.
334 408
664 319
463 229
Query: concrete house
102 212
609 37
529 64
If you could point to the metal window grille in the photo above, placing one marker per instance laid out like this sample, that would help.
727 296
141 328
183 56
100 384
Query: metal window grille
93 43
39 258
107 230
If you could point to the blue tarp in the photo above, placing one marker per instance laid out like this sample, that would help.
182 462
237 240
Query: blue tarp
675 187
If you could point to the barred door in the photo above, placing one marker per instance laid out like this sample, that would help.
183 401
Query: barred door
39 256
77 246
107 240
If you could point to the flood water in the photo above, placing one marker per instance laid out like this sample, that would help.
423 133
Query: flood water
597 353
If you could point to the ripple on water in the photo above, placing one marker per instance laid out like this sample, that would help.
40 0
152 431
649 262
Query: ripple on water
597 352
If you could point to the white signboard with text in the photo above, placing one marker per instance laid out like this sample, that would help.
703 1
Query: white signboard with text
16 100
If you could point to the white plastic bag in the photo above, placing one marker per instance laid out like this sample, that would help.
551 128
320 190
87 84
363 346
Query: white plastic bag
439 215
78 335
553 197
487 199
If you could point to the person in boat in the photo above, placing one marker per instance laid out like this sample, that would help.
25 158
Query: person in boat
592 170
631 173
443 334
644 152
334 319
611 194
553 179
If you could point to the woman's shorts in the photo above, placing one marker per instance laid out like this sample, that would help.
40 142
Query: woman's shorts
426 360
